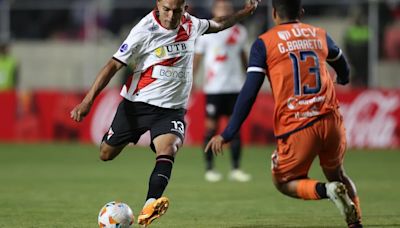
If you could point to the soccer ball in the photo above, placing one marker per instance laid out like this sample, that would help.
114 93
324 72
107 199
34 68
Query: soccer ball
115 215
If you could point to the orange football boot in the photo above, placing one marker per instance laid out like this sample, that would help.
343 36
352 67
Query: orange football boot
153 211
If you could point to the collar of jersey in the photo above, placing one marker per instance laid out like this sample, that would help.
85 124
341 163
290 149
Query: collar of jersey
290 22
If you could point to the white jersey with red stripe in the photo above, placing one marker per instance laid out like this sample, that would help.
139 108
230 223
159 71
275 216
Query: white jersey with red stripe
224 72
162 60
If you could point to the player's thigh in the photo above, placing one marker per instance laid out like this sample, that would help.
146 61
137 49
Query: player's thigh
124 129
334 147
294 155
213 106
229 102
168 133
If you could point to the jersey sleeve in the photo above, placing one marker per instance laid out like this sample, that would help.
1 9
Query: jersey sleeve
130 47
334 52
258 57
338 62
200 25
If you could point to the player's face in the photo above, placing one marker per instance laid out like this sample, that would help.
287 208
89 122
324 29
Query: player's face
170 12
222 9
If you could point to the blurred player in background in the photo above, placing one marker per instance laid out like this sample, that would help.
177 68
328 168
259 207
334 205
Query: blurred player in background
161 46
225 62
8 68
307 122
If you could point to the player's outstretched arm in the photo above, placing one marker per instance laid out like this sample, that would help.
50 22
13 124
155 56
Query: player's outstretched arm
220 23
102 79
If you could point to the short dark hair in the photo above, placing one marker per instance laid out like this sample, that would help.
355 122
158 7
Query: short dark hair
288 9
218 1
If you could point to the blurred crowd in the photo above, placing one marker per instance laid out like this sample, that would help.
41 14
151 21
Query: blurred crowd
74 20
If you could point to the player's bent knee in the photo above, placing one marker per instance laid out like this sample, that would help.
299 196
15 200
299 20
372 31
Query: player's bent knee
280 186
168 149
286 188
167 144
108 153
105 156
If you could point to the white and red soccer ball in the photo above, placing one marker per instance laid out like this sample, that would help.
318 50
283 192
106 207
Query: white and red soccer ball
116 215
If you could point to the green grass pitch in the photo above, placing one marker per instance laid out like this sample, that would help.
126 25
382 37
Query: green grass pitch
65 185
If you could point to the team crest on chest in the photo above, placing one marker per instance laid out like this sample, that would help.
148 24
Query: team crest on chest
153 28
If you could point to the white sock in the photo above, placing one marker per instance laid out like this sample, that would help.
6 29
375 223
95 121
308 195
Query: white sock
149 201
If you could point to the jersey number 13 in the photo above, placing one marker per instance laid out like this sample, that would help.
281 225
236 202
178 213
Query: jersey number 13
299 88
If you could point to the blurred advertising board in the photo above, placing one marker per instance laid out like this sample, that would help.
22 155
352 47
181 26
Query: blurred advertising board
372 118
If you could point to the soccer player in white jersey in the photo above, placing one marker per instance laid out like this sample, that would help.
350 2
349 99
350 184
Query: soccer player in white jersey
161 47
225 62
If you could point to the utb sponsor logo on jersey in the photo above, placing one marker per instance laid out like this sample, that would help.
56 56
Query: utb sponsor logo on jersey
171 50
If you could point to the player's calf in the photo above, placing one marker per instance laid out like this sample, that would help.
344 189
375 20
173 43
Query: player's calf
306 189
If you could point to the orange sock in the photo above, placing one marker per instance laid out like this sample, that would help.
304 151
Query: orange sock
306 189
356 201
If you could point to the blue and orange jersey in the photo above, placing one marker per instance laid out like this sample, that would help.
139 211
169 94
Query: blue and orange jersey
294 57
303 91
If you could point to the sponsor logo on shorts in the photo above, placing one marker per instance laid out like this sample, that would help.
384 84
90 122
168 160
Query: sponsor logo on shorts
274 160
110 133
211 109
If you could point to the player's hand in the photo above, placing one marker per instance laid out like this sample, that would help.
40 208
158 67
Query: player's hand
80 111
251 5
215 144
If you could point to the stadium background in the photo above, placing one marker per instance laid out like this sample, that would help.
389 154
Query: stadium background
49 161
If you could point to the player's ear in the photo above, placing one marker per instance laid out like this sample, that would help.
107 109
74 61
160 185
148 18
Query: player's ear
301 13
186 8
273 13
